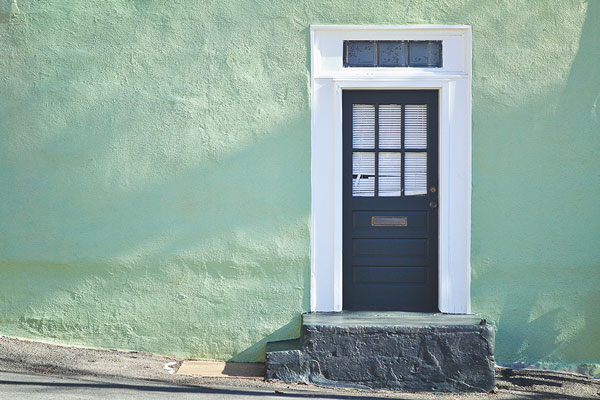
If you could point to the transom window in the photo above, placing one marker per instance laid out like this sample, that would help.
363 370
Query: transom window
393 53
389 150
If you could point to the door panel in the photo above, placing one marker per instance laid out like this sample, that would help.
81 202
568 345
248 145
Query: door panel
389 247
390 216
392 274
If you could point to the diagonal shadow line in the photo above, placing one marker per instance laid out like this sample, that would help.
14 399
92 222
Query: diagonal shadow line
509 375
166 388
545 395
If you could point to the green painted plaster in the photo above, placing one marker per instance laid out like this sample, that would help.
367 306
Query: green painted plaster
8 10
155 171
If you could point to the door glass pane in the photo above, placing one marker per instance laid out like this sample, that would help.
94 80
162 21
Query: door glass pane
390 131
390 174
363 174
415 126
393 54
360 54
415 173
425 53
363 126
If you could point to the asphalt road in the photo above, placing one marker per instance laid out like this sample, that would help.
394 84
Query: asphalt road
45 387
41 387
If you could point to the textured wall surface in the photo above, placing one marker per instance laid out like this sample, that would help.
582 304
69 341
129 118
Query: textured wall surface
155 171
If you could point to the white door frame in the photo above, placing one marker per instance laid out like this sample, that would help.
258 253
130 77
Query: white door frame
453 80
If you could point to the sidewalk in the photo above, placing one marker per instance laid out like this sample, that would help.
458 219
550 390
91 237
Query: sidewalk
36 370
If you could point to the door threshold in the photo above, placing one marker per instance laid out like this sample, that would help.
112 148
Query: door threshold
350 318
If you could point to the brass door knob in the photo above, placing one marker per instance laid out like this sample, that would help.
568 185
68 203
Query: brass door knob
433 204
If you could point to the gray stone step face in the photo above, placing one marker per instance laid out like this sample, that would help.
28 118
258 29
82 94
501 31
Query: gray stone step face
388 350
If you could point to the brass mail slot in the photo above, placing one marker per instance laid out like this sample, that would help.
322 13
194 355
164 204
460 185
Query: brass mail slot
389 220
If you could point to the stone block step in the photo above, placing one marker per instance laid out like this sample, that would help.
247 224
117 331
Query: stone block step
388 350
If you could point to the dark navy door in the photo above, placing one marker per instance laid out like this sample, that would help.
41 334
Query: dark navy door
390 199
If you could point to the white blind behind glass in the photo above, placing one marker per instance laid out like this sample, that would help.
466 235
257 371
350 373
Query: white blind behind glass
363 171
390 126
415 173
363 126
415 129
390 174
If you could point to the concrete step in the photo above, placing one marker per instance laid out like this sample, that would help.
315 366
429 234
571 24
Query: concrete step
388 350
283 361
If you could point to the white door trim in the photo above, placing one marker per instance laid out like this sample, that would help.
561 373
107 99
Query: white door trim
453 80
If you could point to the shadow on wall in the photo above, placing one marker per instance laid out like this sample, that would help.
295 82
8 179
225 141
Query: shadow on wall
552 228
220 261
581 96
175 222
8 10
290 330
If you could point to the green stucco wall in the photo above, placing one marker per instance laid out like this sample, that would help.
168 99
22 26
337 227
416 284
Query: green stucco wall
155 171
